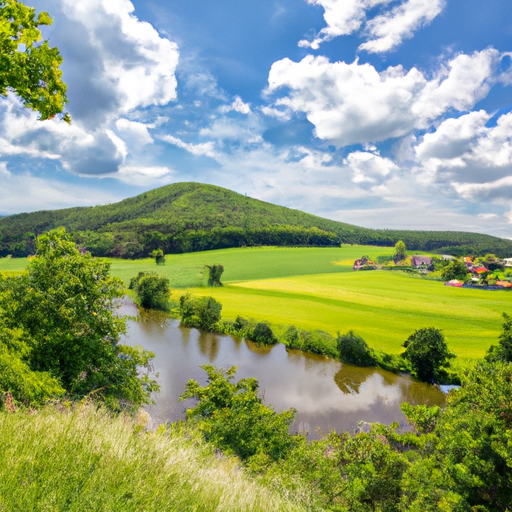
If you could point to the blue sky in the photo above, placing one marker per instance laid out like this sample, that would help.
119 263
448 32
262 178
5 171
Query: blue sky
381 113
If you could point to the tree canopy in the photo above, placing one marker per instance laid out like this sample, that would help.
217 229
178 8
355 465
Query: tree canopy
58 328
29 66
428 353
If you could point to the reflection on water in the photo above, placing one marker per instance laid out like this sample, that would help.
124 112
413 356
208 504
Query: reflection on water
326 394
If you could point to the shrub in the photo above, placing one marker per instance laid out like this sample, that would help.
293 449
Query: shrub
214 274
455 270
203 312
320 343
208 311
159 256
263 334
233 417
354 350
152 290
428 353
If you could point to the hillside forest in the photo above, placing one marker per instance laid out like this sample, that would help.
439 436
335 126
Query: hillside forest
189 217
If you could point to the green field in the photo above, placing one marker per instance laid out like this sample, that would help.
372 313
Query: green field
315 288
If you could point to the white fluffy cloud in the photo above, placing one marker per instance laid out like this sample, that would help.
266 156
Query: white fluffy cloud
122 63
389 29
354 103
474 157
385 31
145 175
205 148
369 167
114 65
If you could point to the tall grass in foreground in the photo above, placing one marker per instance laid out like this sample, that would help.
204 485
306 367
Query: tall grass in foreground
85 460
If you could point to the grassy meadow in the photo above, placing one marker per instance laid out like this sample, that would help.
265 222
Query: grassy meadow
315 288
87 459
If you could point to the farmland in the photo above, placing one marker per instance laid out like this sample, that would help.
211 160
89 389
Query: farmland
315 288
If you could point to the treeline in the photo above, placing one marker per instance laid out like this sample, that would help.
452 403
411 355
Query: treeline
186 217
456 243
426 356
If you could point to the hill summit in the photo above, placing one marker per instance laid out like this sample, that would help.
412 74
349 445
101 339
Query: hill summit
189 216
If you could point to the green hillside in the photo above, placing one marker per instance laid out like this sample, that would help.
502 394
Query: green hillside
186 217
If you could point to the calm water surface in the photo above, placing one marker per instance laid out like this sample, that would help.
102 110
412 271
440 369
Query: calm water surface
326 394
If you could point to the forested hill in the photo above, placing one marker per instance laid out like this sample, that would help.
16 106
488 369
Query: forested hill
190 216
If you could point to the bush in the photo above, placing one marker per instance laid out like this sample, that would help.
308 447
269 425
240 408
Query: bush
214 274
428 353
455 270
159 256
320 343
208 311
152 290
354 350
233 417
203 312
263 334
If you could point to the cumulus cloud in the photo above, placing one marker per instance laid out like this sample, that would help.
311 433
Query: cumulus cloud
471 155
78 150
134 133
385 31
237 106
369 167
114 65
389 29
145 175
118 63
354 103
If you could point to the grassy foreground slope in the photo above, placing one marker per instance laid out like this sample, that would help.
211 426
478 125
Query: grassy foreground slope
180 218
88 460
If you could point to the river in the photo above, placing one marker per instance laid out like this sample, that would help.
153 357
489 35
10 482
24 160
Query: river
327 394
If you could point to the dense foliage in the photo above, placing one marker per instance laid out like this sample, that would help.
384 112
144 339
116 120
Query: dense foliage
152 290
28 66
214 274
453 460
354 350
186 217
428 353
232 417
59 332
202 312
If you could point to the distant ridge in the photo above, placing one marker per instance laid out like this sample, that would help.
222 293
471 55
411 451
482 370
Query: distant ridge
191 216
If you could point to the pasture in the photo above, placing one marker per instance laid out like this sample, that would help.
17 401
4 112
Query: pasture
315 288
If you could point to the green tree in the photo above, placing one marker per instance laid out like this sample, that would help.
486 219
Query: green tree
454 270
65 304
428 353
28 66
400 252
354 350
152 290
208 311
214 274
232 416
502 352
263 334
202 312
159 256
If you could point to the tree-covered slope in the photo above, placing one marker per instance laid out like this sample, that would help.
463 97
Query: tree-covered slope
191 216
